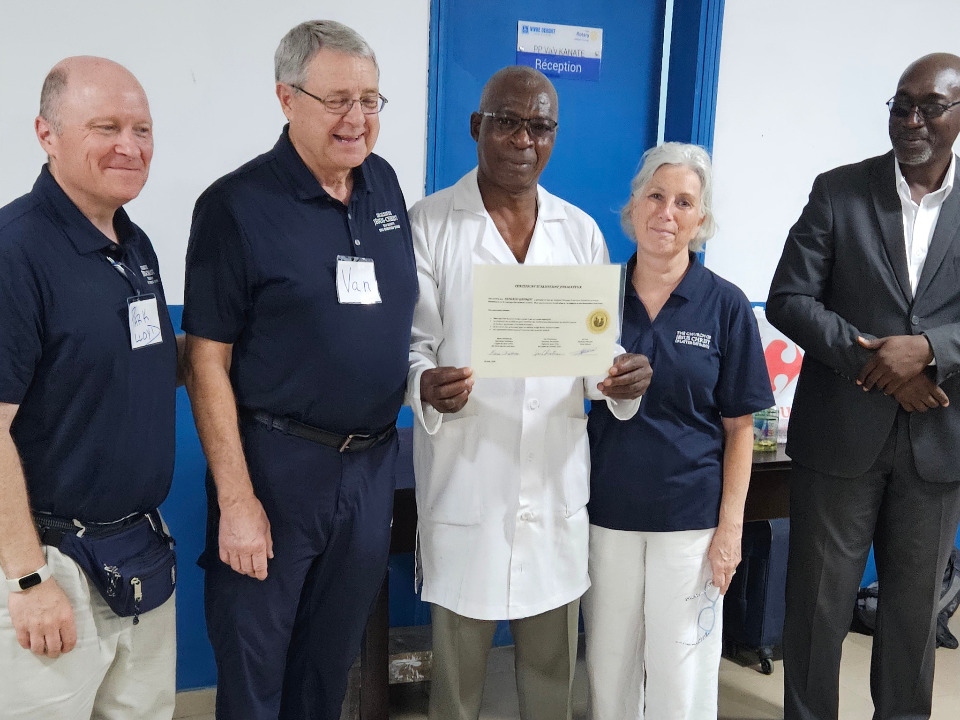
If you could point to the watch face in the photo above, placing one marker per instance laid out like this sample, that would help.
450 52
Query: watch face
28 581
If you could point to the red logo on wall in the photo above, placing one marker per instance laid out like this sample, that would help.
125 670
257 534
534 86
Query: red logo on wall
776 366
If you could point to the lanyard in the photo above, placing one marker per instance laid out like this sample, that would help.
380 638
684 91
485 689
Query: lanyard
125 272
142 310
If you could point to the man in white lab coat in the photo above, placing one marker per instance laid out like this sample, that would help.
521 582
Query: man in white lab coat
502 465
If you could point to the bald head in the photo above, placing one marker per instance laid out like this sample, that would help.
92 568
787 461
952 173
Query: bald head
515 130
934 64
96 130
925 119
83 69
516 76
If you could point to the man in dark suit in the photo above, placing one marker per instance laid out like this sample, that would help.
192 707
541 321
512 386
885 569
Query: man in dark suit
869 286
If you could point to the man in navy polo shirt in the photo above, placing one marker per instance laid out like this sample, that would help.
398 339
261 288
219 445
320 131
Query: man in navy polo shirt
86 406
299 299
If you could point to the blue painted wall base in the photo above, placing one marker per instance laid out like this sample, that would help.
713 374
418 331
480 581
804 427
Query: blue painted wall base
186 512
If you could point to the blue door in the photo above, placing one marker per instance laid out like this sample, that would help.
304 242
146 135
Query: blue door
604 126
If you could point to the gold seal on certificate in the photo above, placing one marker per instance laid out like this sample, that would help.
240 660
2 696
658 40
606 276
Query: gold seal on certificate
545 320
598 321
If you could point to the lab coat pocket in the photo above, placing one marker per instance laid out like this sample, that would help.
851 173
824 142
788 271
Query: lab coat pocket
570 460
451 492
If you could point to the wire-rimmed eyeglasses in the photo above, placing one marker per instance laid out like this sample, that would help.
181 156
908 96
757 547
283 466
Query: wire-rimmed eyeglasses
369 104
707 615
509 124
901 108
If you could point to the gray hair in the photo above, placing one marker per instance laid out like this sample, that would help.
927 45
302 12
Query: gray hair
299 46
688 156
51 95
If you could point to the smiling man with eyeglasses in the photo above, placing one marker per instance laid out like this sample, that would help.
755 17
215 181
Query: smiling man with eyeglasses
501 464
298 303
868 285
340 105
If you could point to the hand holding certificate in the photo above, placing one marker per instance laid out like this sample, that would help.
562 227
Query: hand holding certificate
545 320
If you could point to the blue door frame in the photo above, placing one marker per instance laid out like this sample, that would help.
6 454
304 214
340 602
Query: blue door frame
694 64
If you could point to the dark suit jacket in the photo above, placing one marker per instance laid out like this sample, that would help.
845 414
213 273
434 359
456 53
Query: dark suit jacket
843 273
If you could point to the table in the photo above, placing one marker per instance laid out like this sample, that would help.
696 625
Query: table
769 494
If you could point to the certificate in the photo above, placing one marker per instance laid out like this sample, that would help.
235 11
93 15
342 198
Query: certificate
545 320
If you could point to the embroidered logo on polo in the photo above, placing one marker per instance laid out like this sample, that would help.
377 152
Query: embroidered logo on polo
700 340
150 274
386 221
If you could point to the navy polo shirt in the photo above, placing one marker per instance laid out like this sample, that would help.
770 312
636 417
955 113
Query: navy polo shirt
95 427
261 275
662 470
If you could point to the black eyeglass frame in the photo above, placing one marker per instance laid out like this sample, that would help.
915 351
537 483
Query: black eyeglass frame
924 109
550 125
348 103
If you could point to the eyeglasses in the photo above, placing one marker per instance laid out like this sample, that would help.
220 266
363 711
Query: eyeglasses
707 614
509 124
900 108
369 104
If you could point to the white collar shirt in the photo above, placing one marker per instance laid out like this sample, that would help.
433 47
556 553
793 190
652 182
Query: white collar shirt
920 220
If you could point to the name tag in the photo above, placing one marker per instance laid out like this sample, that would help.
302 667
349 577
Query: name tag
144 319
356 281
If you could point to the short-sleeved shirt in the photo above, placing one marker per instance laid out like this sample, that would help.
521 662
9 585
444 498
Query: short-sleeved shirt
662 470
261 275
95 426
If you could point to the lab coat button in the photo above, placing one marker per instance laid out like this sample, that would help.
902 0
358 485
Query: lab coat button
533 404
526 515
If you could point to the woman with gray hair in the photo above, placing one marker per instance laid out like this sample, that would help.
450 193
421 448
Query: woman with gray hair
668 487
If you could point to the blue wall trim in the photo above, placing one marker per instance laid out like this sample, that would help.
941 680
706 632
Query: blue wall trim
694 71
691 103
433 96
185 510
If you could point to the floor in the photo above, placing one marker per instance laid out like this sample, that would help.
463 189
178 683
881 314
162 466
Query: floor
745 694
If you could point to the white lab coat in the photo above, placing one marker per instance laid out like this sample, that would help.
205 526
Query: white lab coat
501 485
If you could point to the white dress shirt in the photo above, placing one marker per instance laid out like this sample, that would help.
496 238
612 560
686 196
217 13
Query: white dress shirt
919 221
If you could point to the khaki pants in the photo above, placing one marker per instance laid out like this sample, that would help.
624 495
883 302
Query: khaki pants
117 671
546 657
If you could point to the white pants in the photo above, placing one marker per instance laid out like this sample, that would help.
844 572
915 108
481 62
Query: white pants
653 625
117 671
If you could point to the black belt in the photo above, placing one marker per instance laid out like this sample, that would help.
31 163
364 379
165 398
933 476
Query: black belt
354 442
52 529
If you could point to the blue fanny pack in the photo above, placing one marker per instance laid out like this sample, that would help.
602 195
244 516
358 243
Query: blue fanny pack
131 563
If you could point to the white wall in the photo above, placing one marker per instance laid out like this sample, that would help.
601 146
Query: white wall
207 67
802 90
802 87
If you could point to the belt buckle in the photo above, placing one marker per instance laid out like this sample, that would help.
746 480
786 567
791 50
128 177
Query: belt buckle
350 438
